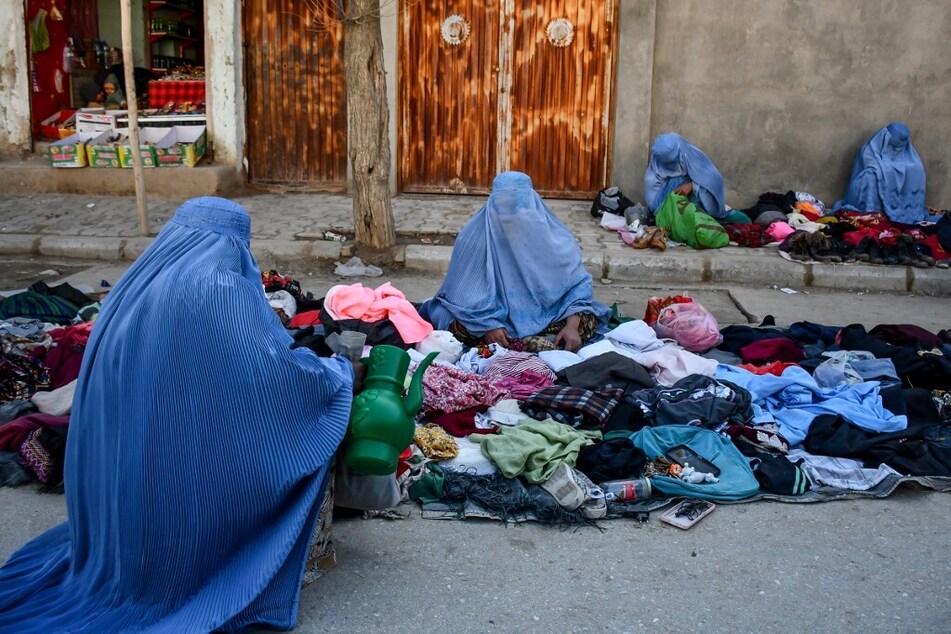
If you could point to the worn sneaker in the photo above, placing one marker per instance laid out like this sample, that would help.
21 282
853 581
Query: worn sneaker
595 505
563 485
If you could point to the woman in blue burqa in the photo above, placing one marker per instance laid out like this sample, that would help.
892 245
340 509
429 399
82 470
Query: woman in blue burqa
516 273
197 455
677 166
888 176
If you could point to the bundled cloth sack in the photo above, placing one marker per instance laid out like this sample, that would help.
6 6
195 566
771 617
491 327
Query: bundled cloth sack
736 480
689 324
684 222
443 342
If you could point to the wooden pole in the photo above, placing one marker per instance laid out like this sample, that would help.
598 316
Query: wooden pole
128 63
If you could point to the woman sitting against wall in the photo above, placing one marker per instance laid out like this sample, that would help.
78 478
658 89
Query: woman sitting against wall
677 166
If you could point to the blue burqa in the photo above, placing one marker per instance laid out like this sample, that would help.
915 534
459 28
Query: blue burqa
675 161
514 266
888 176
197 455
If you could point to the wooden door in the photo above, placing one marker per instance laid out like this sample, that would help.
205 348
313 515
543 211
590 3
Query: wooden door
448 97
529 89
296 113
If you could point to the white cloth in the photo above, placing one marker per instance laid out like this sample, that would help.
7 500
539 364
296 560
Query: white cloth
595 349
470 460
443 342
58 402
505 412
636 336
841 473
669 364
472 362
559 359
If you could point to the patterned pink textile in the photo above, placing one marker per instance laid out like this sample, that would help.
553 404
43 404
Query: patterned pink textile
449 389
525 384
514 363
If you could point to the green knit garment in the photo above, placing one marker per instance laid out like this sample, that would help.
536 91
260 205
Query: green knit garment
533 448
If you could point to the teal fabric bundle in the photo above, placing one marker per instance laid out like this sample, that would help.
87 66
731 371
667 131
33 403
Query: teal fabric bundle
736 478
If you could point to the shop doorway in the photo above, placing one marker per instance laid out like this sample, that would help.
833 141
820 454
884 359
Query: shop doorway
296 96
487 88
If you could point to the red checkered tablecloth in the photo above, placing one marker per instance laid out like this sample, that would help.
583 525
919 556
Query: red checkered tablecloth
176 91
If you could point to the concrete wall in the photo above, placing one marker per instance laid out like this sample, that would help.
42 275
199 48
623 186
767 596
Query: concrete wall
635 75
14 82
224 67
781 94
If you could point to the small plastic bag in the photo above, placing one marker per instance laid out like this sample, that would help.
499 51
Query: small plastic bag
443 342
691 325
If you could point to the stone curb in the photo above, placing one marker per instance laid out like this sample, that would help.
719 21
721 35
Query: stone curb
19 243
748 267
88 247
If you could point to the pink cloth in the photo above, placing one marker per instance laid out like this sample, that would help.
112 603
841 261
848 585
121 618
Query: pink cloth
448 389
779 230
386 302
523 385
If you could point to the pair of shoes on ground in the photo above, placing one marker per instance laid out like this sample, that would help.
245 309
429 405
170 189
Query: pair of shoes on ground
610 200
575 491
905 252
651 237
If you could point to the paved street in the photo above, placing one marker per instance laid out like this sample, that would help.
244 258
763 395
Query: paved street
855 565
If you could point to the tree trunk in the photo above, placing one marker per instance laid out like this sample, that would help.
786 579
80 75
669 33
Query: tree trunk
368 123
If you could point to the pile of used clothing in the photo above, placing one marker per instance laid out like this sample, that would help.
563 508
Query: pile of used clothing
653 409
43 335
803 412
798 222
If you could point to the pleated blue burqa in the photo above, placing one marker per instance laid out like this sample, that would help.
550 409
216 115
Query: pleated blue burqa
197 455
675 161
888 176
514 265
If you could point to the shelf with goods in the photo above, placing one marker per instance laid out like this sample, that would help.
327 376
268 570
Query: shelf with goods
176 34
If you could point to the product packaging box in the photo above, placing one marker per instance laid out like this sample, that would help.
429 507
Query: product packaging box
71 151
185 146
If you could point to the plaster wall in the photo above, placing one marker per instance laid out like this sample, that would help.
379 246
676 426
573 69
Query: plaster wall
15 135
224 64
632 114
782 94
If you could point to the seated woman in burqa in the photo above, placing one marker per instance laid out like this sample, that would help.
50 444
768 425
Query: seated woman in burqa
677 166
198 451
888 177
516 272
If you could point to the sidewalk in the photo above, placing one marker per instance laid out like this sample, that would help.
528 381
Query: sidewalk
289 227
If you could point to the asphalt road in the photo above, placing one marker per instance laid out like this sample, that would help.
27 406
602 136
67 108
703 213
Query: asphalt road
854 566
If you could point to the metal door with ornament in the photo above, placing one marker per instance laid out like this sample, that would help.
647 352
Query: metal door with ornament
507 85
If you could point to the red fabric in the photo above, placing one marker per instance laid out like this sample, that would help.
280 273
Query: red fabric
768 350
66 357
460 424
177 92
401 466
308 318
45 99
14 433
776 367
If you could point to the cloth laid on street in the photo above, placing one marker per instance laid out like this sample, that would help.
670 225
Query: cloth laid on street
183 362
506 412
888 176
674 161
462 423
610 369
685 222
840 473
435 442
777 474
514 265
672 363
478 358
524 384
558 360
770 350
515 363
534 448
614 459
470 460
736 479
573 406
697 400
850 367
356 301
65 356
33 305
794 399
58 402
449 389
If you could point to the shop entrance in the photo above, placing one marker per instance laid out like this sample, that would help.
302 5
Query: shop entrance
487 87
296 96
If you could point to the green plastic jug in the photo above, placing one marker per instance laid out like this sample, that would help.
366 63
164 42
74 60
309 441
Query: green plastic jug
382 421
